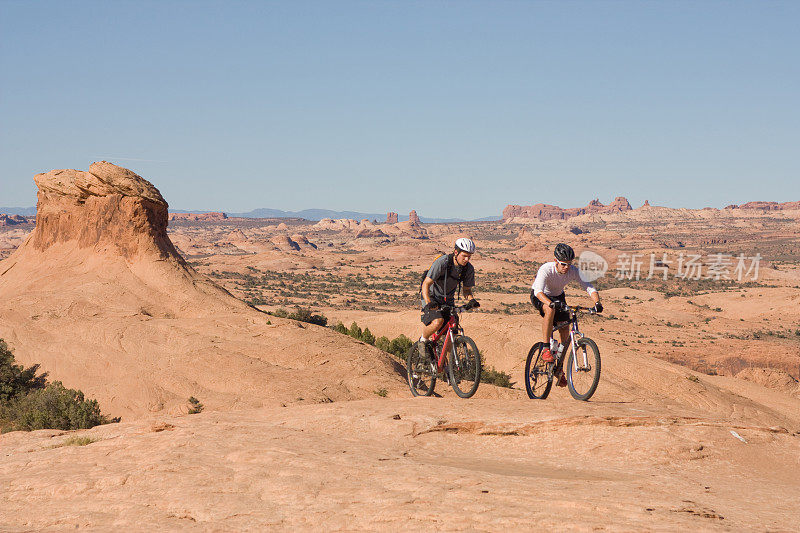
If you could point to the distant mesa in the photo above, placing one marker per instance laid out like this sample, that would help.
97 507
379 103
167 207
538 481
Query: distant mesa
544 212
768 206
646 203
413 218
391 218
14 220
214 216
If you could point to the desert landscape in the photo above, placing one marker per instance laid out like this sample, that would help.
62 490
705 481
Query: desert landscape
695 424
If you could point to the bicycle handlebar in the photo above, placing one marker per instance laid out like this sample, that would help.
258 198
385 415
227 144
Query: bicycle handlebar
579 309
469 306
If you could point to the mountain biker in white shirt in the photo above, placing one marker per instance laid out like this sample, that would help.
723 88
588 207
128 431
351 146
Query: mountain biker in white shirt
547 296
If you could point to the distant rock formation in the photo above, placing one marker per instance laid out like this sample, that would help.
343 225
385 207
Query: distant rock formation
302 241
198 216
767 206
370 233
544 212
13 220
391 218
646 203
284 243
413 218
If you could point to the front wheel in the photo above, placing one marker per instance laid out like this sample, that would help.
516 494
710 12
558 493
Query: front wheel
538 380
465 367
583 369
420 370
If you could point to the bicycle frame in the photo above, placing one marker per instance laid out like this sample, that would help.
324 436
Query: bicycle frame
574 335
446 330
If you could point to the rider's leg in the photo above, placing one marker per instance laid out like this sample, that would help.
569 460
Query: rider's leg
564 333
562 377
432 328
547 324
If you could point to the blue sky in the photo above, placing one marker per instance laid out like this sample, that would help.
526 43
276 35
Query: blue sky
454 109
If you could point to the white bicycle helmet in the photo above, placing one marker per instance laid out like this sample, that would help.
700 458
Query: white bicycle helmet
465 245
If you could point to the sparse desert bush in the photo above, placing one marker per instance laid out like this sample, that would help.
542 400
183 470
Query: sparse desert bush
77 441
496 377
28 402
16 380
398 346
301 314
195 406
53 407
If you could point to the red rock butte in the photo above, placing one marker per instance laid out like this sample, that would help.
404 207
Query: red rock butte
545 212
107 208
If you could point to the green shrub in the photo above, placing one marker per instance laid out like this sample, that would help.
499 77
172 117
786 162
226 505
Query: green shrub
53 407
382 343
28 402
340 328
399 346
195 406
368 337
16 380
304 314
354 331
496 377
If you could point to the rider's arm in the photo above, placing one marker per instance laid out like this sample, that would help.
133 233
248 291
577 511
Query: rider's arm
467 293
543 298
426 290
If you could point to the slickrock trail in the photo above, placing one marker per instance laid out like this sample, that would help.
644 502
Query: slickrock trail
295 435
390 464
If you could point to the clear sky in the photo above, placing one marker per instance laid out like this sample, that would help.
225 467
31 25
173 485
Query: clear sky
454 109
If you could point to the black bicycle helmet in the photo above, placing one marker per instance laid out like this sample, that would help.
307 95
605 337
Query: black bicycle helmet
564 252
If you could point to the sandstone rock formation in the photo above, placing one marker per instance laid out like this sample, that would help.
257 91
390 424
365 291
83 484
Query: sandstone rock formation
413 218
391 218
768 206
99 296
544 212
370 233
216 216
13 220
284 243
302 241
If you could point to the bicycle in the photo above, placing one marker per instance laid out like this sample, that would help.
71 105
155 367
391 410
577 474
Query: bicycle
583 371
462 368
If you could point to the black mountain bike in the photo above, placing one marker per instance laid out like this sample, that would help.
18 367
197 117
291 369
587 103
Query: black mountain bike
582 366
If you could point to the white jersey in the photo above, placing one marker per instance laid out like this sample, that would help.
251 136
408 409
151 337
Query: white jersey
551 282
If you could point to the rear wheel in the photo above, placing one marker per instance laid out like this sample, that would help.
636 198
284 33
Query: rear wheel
537 380
419 369
583 369
465 369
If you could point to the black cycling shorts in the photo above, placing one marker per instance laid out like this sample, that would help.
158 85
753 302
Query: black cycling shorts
430 315
561 316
